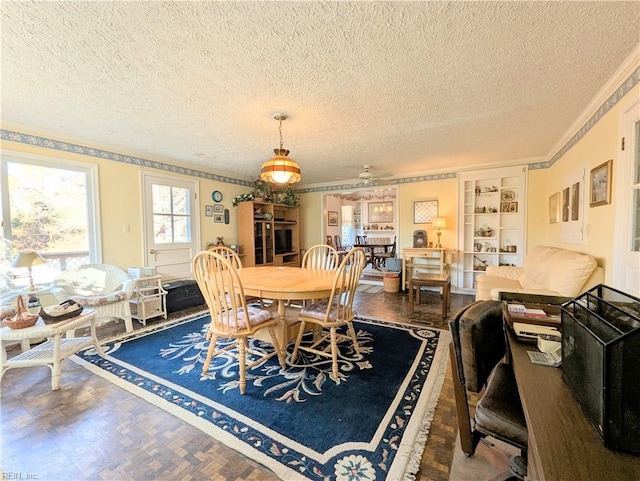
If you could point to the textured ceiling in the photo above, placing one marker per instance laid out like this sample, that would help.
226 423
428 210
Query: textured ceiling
408 87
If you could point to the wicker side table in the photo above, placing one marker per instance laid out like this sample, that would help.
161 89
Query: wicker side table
53 351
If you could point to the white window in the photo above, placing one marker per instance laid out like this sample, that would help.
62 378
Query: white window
48 206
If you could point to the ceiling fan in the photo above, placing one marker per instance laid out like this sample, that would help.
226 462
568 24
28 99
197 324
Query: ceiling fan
367 178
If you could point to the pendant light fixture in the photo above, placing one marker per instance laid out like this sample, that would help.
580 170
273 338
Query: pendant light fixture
280 169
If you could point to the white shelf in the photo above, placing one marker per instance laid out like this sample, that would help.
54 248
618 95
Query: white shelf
507 226
149 299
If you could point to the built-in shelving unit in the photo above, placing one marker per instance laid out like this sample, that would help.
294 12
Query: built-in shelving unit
492 221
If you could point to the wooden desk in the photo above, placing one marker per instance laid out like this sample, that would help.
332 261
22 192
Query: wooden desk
52 352
563 445
284 284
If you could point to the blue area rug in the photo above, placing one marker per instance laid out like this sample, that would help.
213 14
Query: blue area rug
371 425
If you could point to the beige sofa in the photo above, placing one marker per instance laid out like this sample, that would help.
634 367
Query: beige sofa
547 271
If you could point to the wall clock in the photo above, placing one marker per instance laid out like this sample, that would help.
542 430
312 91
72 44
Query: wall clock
216 195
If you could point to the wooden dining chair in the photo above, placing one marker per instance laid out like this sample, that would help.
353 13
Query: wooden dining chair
229 254
380 258
329 241
231 318
320 256
334 312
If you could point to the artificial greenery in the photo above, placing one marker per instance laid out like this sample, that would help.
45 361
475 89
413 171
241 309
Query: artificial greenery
264 190
242 198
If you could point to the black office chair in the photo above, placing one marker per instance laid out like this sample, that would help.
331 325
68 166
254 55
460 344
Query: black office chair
477 355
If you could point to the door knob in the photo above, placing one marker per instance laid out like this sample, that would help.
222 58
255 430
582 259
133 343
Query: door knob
152 251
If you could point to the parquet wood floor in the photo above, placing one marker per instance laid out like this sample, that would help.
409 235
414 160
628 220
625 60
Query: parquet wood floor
93 430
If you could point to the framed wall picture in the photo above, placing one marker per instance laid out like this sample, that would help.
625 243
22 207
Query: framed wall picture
208 211
424 211
332 218
600 182
218 208
575 201
565 205
380 212
218 218
554 208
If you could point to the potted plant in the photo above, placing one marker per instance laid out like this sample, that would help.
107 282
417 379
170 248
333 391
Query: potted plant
262 190
287 196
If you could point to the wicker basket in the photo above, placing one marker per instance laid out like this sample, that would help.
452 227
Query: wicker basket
72 308
23 317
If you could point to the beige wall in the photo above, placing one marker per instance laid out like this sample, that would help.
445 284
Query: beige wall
600 144
121 205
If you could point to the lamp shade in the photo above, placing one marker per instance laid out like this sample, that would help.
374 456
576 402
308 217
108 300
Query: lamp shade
440 223
280 169
28 259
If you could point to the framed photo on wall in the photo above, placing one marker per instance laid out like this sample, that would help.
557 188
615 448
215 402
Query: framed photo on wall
424 211
575 201
600 182
208 211
554 208
218 208
332 218
565 205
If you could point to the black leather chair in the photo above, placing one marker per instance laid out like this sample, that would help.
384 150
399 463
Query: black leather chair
478 363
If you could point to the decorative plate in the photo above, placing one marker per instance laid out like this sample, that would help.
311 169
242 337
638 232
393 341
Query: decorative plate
508 195
216 195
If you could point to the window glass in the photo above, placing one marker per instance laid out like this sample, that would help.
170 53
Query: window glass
171 218
47 209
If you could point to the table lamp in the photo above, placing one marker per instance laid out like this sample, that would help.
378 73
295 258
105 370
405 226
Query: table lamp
439 223
28 259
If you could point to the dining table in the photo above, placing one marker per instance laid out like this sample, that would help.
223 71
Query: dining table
283 284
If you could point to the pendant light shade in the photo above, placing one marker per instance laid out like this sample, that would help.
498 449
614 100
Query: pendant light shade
280 169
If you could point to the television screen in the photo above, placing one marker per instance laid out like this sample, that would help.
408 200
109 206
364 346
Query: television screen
283 241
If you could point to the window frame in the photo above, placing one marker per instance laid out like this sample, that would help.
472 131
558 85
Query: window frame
90 170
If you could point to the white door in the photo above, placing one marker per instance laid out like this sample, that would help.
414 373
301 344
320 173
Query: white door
627 264
170 225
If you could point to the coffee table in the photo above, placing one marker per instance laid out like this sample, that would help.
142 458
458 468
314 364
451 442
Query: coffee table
53 351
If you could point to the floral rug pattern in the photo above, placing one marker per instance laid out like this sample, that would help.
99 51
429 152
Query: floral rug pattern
305 377
308 378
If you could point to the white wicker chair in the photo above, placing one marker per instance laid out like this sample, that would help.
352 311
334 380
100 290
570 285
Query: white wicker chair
102 287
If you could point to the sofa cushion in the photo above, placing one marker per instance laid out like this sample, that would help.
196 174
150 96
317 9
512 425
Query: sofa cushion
535 272
569 272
